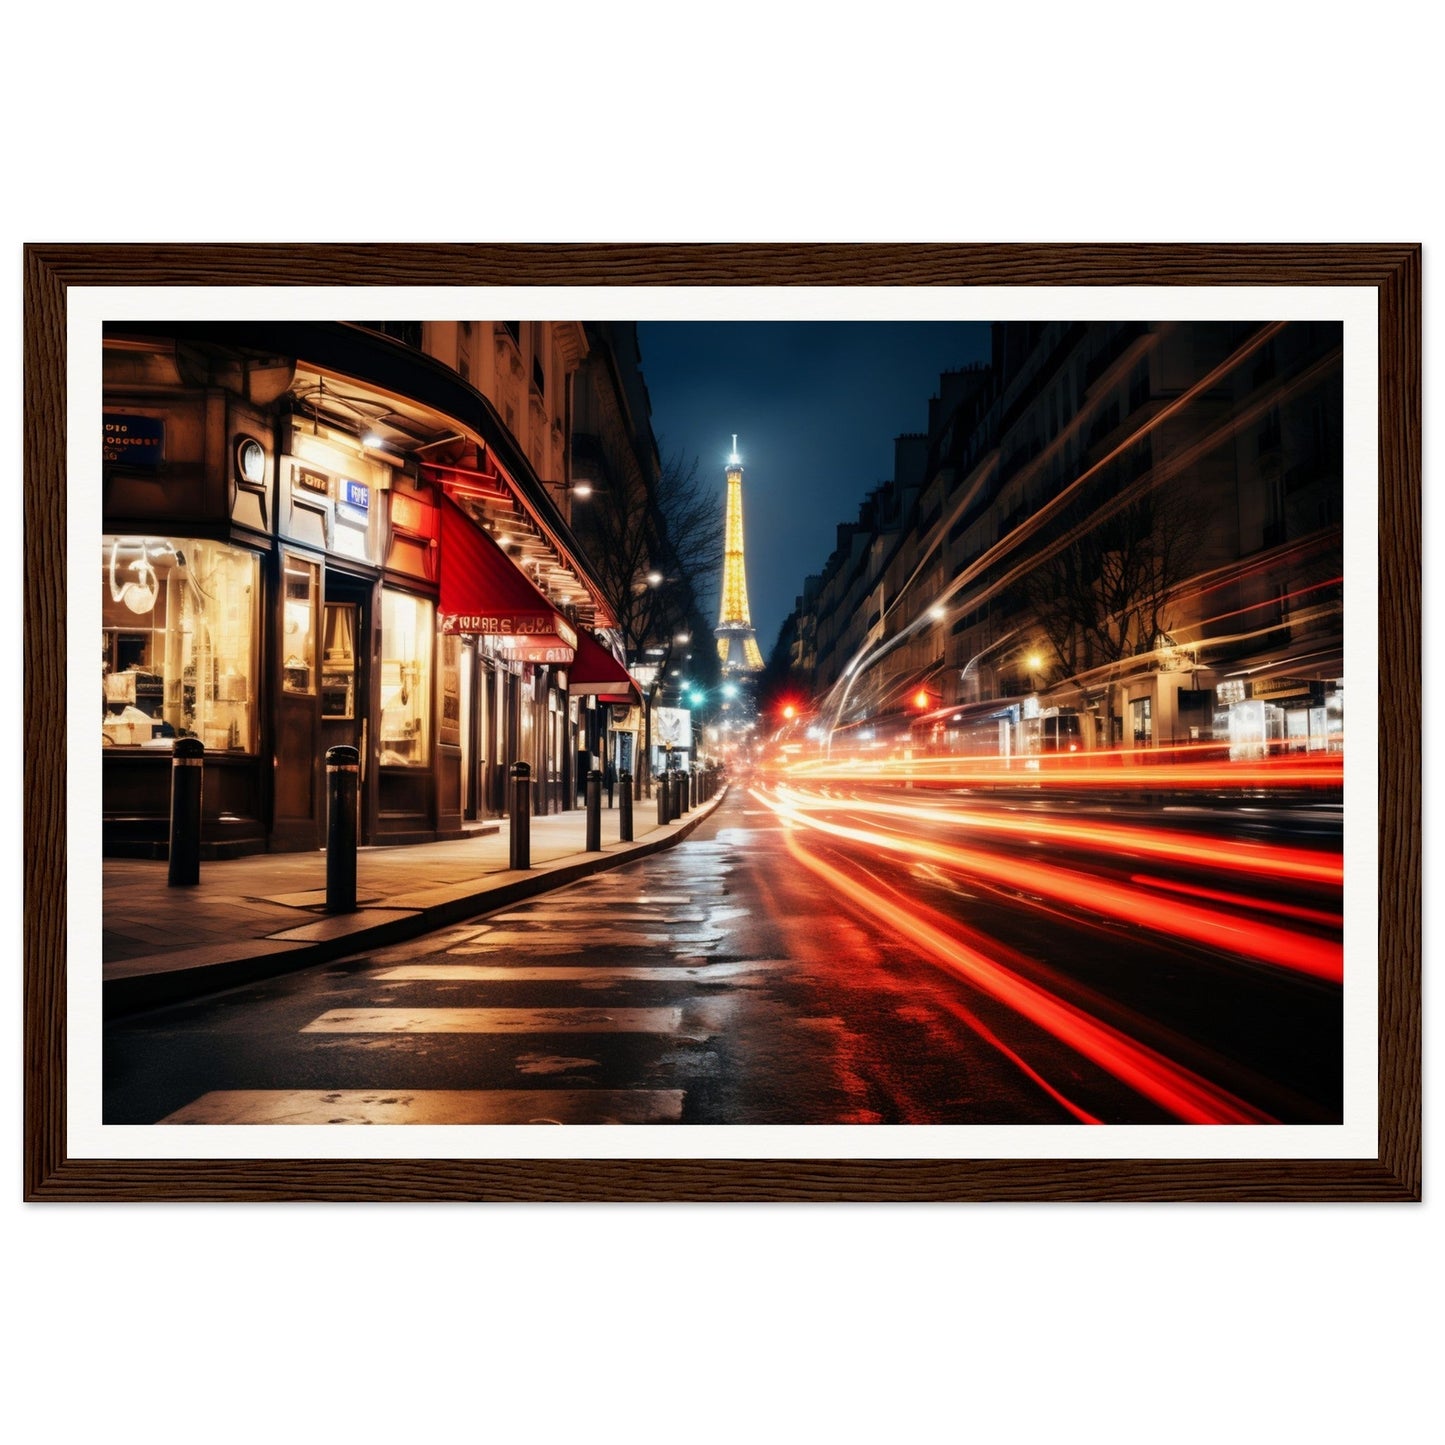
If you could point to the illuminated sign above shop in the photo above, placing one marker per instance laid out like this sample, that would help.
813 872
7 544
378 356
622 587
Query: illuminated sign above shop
355 494
133 441
311 481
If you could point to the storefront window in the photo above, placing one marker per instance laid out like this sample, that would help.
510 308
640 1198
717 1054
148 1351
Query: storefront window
178 620
407 631
298 644
338 677
450 730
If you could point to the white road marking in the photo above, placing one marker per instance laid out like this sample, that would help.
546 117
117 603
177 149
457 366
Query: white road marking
496 1021
648 898
563 973
433 1106
584 914
556 941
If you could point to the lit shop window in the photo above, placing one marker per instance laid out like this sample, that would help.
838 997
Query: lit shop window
178 624
298 626
407 632
338 677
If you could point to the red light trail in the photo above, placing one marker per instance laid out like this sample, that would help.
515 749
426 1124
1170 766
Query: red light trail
1209 927
1113 840
1178 1090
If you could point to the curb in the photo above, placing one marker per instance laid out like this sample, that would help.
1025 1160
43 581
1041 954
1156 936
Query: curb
124 995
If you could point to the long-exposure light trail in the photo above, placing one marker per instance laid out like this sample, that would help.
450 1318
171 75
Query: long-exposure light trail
1209 927
1180 1091
1064 772
1241 900
1302 865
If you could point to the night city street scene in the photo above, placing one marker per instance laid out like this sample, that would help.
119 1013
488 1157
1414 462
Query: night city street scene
756 723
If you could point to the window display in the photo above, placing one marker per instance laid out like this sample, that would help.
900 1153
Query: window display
298 666
407 632
178 621
338 677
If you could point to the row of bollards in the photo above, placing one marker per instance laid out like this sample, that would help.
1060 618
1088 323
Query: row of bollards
678 791
683 789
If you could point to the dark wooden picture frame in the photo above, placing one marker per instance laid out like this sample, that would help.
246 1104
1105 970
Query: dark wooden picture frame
1393 271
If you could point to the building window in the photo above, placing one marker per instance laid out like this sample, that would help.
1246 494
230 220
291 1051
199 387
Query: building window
178 623
298 624
407 631
1142 709
338 677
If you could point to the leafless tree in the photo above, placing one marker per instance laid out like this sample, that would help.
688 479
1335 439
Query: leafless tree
1101 591
656 550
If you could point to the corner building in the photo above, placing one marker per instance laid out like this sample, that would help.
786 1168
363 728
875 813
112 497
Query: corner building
317 534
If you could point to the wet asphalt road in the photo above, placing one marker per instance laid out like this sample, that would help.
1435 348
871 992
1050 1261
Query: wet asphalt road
744 976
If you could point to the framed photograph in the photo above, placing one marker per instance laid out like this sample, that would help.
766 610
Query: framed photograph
1050 872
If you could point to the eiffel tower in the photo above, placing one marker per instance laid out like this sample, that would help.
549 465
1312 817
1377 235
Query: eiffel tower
737 643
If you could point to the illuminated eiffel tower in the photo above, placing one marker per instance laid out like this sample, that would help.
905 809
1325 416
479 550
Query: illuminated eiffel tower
737 643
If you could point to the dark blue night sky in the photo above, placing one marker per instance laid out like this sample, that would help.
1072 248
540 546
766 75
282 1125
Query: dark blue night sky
816 406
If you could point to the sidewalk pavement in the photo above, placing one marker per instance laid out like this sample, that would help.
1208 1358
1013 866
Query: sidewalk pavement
257 916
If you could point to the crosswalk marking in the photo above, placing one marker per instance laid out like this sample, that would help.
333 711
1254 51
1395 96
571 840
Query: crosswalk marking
401 1020
432 1106
596 892
561 973
587 916
586 941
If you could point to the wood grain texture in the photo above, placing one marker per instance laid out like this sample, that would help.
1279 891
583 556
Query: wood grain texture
1393 270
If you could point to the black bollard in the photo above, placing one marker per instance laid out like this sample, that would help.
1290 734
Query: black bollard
521 823
624 807
684 787
188 758
662 798
343 770
594 811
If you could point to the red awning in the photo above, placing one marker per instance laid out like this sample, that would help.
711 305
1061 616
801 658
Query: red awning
596 670
483 593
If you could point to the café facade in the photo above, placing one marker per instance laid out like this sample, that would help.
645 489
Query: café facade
313 535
